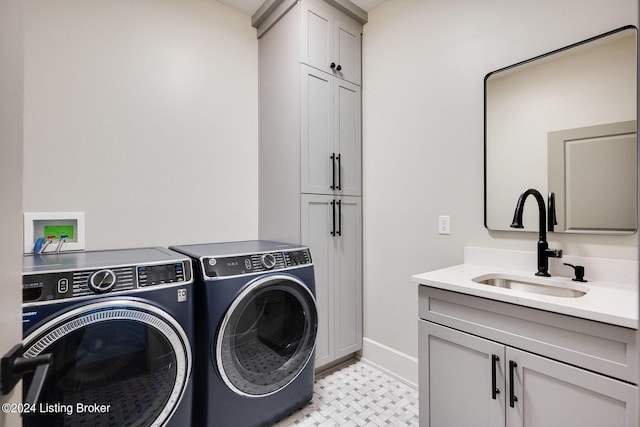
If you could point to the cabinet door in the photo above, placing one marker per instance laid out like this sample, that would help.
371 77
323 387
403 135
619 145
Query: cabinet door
348 277
348 137
552 394
317 224
317 148
347 42
457 372
317 37
331 42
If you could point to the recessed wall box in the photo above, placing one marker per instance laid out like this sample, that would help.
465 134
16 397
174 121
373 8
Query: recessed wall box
56 224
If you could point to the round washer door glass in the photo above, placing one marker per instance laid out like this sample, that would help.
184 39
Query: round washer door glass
267 336
115 362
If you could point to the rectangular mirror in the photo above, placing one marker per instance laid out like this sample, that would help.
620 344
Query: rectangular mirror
564 123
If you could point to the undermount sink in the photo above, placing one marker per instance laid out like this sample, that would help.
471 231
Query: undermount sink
537 285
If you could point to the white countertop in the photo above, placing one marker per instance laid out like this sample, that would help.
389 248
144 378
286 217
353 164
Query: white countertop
612 303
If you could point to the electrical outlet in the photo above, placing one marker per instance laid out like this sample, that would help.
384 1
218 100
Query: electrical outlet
444 224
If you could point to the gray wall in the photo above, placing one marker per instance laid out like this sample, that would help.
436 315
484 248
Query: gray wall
143 115
424 65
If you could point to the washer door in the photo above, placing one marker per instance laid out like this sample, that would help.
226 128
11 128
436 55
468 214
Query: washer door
267 336
129 356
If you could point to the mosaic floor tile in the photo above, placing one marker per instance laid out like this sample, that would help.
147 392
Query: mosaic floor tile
358 395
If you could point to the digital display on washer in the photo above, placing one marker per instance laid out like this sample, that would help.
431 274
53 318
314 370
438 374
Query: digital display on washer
161 273
297 257
229 266
158 274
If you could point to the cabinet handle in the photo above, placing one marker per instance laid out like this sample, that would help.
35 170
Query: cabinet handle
339 173
339 232
512 397
333 65
333 216
333 171
494 389
339 67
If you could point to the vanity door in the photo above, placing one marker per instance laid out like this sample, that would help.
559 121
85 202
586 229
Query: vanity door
552 394
462 379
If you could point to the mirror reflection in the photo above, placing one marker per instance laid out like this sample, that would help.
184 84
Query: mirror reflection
564 124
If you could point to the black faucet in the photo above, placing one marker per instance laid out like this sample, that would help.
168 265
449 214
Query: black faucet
544 253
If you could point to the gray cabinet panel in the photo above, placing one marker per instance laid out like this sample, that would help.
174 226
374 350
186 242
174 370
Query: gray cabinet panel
331 41
457 368
332 228
331 134
348 137
348 279
317 138
552 394
316 225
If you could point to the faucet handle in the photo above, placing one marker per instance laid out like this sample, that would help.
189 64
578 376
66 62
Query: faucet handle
553 253
579 270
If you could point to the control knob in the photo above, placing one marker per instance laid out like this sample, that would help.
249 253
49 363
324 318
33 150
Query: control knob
268 261
102 281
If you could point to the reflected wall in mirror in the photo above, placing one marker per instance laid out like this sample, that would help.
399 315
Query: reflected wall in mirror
560 123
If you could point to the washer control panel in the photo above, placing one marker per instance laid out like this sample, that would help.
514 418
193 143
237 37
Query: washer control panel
238 265
78 283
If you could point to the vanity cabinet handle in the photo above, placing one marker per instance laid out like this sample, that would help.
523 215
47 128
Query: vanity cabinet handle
494 389
512 397
332 66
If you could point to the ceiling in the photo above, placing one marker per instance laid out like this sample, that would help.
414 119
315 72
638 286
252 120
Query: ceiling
249 7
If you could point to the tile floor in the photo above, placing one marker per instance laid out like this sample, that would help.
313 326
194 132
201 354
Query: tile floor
358 395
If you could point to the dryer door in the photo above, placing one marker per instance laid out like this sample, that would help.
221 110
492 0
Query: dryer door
115 362
267 336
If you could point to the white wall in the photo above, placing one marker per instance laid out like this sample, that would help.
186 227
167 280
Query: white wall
144 115
424 63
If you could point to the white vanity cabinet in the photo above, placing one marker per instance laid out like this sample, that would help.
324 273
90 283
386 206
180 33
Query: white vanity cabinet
490 363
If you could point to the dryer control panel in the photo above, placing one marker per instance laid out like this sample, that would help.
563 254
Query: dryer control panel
238 265
52 286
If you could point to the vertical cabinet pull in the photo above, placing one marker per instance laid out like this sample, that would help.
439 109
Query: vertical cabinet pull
494 389
339 232
339 173
336 231
512 397
333 206
333 171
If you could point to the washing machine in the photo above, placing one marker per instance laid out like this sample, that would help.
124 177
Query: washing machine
119 327
256 324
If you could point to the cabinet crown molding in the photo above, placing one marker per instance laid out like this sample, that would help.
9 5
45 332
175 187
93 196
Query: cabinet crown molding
277 8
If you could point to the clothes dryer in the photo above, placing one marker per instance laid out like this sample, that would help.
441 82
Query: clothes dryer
119 327
256 324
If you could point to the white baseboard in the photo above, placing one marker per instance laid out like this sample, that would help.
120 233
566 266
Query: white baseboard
397 364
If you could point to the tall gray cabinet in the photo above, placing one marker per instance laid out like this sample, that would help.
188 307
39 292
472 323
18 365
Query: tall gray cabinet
310 168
